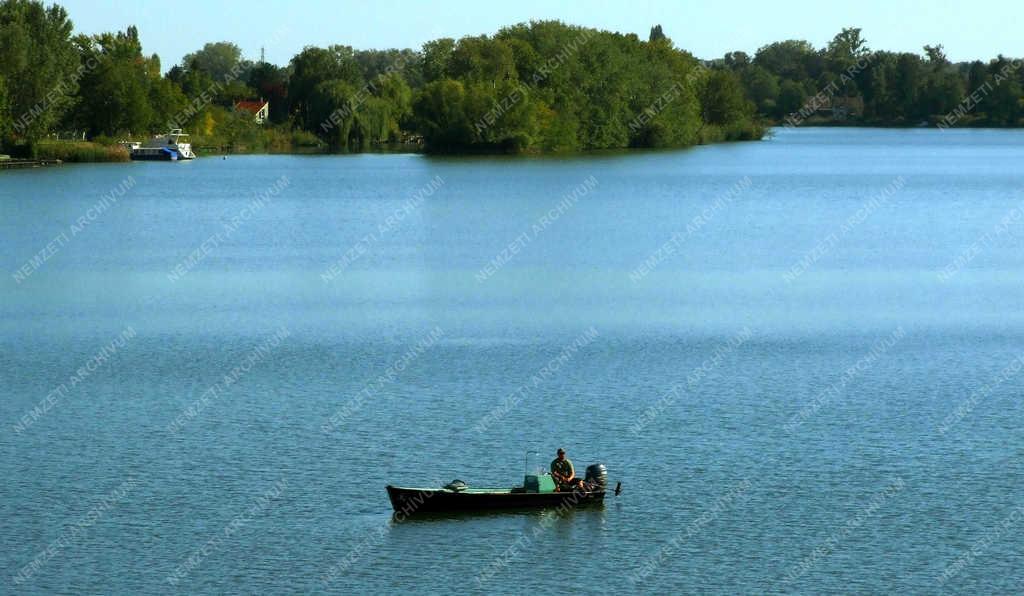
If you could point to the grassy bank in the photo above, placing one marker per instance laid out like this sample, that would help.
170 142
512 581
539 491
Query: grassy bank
268 140
280 139
80 151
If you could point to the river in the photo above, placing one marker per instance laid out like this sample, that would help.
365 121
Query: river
800 356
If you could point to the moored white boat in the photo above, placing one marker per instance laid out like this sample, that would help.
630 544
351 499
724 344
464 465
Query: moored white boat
172 146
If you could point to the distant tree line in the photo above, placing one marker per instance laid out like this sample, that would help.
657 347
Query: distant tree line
791 81
542 86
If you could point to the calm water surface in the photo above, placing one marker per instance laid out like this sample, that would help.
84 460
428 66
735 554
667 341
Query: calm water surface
811 387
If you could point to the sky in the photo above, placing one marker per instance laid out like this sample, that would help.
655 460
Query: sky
706 28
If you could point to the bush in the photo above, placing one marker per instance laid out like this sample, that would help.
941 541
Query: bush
736 131
108 141
304 138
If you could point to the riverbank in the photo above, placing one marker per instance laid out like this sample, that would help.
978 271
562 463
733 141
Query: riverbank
275 141
255 140
966 122
88 152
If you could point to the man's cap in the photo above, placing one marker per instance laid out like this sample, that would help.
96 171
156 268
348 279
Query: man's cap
560 450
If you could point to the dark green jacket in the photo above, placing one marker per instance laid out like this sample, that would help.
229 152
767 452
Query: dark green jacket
562 467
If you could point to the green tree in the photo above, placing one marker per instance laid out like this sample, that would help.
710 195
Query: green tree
792 59
482 59
332 104
943 90
736 60
847 46
351 117
664 96
876 86
844 59
762 88
722 102
114 96
1004 104
441 115
378 63
313 66
5 117
167 101
907 81
219 60
38 63
976 75
549 86
396 94
792 98
437 54
936 55
605 110
499 124
193 82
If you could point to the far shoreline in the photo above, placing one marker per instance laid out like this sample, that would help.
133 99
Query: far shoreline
109 154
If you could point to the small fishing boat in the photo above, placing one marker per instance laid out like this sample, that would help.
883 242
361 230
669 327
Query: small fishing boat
172 146
538 491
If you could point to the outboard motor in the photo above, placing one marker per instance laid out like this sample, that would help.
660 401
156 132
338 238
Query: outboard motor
597 476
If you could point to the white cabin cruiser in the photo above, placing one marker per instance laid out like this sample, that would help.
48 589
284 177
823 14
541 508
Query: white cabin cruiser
169 147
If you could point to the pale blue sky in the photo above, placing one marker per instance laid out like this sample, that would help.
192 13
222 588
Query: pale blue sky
968 30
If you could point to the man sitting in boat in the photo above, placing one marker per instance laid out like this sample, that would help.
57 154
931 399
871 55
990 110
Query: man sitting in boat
563 473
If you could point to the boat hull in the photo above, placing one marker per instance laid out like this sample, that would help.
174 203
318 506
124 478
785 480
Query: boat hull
409 501
158 156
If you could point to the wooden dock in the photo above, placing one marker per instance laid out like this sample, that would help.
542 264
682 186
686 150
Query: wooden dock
10 164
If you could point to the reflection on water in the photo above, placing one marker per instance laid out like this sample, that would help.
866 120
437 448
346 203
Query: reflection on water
543 516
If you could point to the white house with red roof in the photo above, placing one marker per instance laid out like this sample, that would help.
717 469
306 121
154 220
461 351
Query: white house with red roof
259 109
